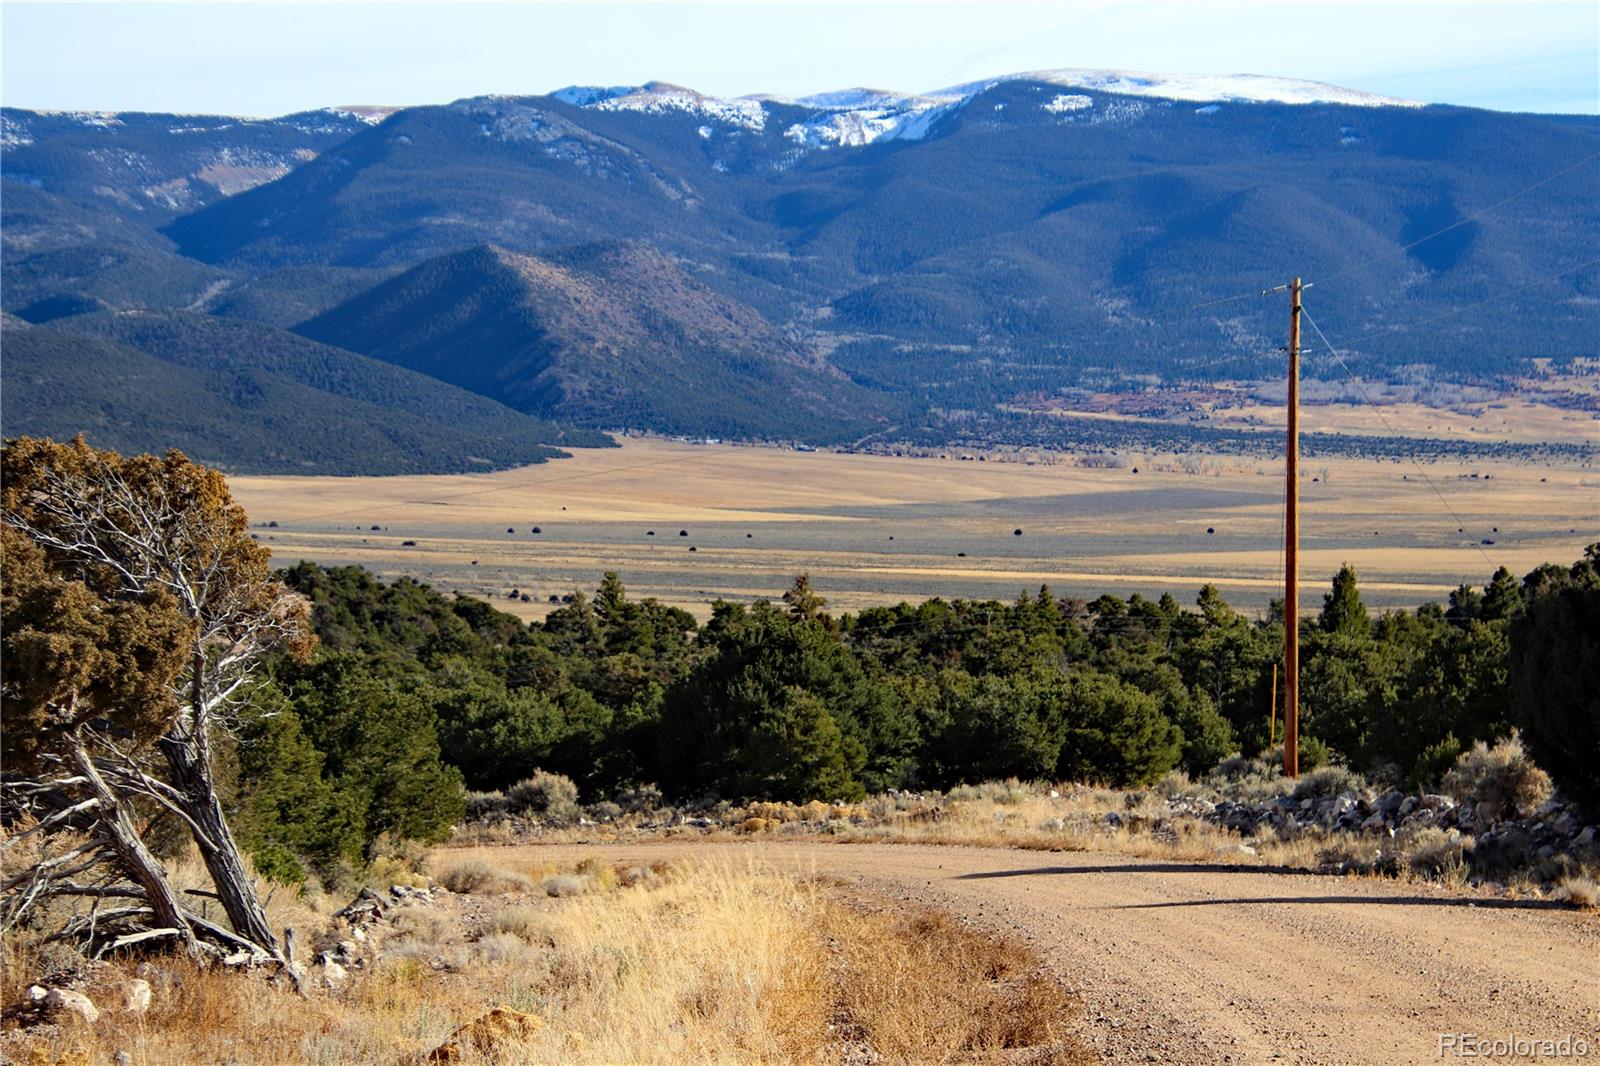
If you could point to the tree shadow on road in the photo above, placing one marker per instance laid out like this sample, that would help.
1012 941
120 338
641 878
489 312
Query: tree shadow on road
1140 868
1209 868
1393 901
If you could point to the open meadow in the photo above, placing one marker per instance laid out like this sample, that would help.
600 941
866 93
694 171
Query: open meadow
691 523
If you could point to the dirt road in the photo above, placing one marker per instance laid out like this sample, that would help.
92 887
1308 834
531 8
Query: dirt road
1203 964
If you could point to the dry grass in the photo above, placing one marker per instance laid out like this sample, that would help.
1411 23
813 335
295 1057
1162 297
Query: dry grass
705 963
1580 891
822 512
922 987
480 878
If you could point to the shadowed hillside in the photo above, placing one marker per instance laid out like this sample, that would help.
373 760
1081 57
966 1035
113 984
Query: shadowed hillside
251 398
612 335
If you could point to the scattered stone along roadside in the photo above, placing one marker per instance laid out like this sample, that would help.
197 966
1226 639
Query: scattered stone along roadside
1485 844
1498 830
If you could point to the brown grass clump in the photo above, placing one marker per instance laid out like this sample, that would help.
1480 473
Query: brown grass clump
479 877
602 873
1432 852
560 886
486 1036
922 987
1579 890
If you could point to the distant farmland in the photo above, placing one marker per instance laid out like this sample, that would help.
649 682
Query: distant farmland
874 529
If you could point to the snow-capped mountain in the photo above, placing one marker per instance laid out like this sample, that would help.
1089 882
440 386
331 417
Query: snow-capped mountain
1201 88
943 250
861 116
659 97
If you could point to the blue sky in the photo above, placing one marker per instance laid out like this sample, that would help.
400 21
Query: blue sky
273 58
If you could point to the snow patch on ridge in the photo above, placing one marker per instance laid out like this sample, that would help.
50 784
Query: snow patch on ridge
1224 88
589 95
371 114
660 98
101 119
856 117
1065 102
14 134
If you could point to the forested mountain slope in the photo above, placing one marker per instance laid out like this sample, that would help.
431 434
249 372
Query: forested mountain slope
842 265
251 398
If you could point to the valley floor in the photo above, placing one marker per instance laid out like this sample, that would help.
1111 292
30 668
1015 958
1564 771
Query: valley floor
879 529
1184 963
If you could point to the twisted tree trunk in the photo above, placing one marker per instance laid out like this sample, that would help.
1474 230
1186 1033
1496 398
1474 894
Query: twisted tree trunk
189 773
141 866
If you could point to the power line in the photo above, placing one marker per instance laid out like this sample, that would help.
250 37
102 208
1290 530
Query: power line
1461 308
1475 215
1362 391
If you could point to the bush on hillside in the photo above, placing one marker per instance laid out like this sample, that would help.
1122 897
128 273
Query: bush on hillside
1502 780
481 878
483 806
552 795
1327 781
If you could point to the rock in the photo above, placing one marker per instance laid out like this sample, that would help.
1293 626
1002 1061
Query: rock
1422 816
1586 838
1054 794
487 1036
333 976
368 906
136 996
122 1058
1054 825
66 1001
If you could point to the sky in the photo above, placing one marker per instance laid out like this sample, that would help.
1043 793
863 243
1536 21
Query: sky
274 58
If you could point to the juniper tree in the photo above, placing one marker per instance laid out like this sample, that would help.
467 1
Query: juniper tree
137 610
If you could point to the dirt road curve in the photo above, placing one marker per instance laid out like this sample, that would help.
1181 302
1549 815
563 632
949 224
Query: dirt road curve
1204 964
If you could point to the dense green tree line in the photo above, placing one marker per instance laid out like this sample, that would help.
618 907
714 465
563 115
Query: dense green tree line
415 694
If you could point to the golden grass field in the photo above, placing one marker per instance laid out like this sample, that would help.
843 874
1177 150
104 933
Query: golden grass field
879 529
706 959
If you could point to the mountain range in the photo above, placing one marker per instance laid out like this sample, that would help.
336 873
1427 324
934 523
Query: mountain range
827 268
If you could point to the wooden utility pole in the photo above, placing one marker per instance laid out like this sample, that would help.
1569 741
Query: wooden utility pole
1291 552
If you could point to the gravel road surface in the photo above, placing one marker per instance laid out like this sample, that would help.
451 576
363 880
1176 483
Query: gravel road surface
1183 963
